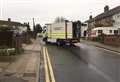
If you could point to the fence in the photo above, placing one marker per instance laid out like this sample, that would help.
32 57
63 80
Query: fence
17 44
113 40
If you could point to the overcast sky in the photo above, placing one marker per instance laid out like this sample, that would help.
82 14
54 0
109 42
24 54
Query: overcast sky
45 11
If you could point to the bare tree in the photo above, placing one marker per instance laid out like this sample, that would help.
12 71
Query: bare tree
60 19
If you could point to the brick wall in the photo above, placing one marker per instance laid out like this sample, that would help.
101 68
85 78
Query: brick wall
112 40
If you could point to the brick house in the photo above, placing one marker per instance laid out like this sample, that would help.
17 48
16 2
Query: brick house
83 30
109 18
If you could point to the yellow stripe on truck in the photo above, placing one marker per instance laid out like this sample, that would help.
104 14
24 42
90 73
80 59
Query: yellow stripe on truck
60 34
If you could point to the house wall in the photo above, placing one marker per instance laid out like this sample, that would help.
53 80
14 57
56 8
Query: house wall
104 22
90 27
83 29
116 18
105 30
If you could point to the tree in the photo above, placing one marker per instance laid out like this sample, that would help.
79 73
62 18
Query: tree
60 19
38 28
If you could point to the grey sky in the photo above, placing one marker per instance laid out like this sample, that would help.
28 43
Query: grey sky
44 11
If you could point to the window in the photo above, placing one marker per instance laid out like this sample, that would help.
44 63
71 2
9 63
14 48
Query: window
116 32
100 31
110 31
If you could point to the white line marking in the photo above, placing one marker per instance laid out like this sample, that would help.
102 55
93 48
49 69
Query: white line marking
101 73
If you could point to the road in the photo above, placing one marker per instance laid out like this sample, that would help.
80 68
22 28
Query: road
81 63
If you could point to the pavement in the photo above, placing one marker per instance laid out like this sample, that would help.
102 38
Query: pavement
81 63
101 45
22 67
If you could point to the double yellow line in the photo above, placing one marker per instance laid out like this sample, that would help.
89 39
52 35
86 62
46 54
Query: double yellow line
49 75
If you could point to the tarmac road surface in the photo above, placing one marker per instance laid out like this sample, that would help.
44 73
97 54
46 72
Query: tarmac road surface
81 63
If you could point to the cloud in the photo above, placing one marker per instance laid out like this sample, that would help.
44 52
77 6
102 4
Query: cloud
46 10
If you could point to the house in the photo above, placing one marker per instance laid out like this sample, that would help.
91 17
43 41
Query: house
13 34
83 30
16 26
106 31
109 18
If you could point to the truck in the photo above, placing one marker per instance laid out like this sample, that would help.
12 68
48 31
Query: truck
62 33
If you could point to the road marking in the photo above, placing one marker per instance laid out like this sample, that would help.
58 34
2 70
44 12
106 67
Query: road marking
110 51
101 73
47 79
50 67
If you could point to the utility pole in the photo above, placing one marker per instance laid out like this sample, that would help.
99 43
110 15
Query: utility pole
34 30
33 24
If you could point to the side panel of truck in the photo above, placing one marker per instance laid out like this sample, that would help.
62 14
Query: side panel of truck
58 30
49 31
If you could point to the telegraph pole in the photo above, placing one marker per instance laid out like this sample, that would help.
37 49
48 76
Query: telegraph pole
33 24
34 30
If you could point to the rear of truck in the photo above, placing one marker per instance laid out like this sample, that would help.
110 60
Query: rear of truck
63 33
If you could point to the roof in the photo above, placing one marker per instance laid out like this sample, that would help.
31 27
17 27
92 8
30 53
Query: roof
106 14
10 23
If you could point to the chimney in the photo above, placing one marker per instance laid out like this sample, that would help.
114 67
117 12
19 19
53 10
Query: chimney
9 19
106 8
90 17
